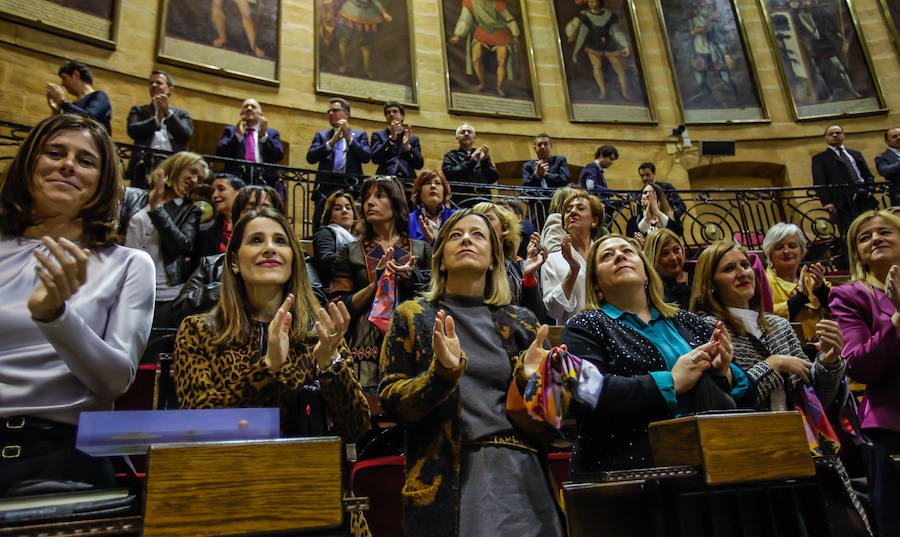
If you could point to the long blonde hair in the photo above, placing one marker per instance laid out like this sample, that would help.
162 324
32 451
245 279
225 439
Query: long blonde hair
593 295
230 320
508 222
496 288
174 165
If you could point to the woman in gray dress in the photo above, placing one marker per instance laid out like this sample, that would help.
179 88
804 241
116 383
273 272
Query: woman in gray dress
448 360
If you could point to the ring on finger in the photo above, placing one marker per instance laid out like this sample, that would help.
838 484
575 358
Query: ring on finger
696 356
333 334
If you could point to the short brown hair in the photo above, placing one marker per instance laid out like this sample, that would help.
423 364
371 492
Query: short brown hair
426 175
597 210
329 206
99 216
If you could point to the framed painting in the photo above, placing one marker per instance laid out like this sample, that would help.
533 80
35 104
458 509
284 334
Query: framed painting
236 38
489 64
891 10
364 49
714 76
600 54
824 63
93 21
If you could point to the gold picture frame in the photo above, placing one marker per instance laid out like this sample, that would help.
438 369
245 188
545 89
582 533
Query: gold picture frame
390 57
190 35
821 78
627 103
715 78
97 21
892 19
506 96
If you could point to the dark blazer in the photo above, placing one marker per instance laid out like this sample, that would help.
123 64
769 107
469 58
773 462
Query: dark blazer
888 165
556 176
459 166
358 153
94 105
141 128
613 436
392 159
231 146
593 180
827 169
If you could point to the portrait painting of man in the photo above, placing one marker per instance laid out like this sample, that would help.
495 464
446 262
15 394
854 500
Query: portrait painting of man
600 49
713 70
364 49
488 55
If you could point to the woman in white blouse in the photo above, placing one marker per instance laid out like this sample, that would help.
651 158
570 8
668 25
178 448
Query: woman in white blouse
75 308
563 274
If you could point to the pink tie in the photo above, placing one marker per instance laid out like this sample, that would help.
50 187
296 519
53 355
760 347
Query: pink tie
250 146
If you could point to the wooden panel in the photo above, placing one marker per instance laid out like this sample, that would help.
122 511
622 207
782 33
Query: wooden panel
237 488
736 448
675 443
607 509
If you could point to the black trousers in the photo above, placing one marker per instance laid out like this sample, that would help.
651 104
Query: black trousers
884 480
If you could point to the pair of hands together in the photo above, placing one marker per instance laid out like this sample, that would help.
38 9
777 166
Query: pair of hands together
330 328
261 126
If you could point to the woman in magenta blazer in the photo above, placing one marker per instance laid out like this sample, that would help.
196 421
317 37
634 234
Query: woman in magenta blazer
868 310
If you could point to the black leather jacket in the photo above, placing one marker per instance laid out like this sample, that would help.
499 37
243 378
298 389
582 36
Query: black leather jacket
201 291
177 226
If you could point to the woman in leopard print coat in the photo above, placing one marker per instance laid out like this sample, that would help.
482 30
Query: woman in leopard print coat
263 343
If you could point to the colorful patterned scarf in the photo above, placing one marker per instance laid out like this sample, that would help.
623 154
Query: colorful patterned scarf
544 390
385 300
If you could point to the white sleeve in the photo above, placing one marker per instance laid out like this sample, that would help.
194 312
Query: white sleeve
553 273
106 363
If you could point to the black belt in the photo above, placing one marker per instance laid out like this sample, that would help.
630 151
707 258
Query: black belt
27 436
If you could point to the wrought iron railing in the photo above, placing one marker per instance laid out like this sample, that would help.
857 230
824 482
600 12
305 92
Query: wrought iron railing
712 214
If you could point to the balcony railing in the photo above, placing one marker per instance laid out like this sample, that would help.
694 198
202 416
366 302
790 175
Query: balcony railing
712 214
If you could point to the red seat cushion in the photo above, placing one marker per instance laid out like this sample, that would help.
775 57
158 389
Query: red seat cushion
381 480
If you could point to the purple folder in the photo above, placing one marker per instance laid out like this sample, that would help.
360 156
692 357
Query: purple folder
130 432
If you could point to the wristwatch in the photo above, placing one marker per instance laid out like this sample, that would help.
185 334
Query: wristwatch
333 368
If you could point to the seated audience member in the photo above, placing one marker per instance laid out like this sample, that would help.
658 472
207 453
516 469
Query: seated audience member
467 163
526 227
593 176
666 251
657 361
798 294
647 173
75 307
251 140
201 290
868 311
338 150
524 287
553 231
447 370
77 80
395 149
655 214
336 230
564 273
157 125
214 235
765 345
165 223
263 342
382 269
431 199
546 171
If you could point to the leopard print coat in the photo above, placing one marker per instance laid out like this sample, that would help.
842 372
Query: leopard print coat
233 376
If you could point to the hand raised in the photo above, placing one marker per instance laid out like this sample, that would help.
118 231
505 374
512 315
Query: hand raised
59 280
892 286
536 351
536 258
279 336
445 342
405 270
385 259
427 230
802 288
330 327
568 254
831 341
723 352
157 194
262 125
817 271
241 127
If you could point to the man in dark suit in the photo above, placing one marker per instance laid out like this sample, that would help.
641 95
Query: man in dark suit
838 165
647 172
340 150
395 149
547 172
251 140
157 125
888 163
